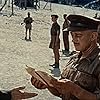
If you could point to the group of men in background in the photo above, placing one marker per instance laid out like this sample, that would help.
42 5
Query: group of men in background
55 32
55 40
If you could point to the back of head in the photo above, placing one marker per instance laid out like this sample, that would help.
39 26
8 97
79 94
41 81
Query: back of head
65 15
28 13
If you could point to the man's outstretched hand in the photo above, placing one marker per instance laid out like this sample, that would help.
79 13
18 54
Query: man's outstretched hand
18 94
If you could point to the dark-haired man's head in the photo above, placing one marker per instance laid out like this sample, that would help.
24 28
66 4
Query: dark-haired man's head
54 18
65 16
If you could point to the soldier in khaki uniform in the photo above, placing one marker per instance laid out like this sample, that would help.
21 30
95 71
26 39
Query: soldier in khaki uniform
80 80
55 41
28 21
65 35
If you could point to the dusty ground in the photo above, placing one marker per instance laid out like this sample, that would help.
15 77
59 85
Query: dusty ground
15 52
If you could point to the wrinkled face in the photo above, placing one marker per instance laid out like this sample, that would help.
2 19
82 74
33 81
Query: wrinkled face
53 19
82 40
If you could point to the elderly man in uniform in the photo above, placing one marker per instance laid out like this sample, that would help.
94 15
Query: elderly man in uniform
80 79
55 41
28 21
65 35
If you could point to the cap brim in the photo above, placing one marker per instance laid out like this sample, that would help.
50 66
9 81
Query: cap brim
76 29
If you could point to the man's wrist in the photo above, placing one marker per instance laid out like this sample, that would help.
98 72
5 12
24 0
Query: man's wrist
81 93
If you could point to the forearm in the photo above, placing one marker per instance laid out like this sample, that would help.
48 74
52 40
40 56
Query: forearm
57 39
5 95
54 92
82 94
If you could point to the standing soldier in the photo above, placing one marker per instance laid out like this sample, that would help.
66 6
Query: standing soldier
65 35
28 21
55 41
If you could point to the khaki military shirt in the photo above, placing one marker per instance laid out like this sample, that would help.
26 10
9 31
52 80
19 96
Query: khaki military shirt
84 72
28 21
65 24
55 30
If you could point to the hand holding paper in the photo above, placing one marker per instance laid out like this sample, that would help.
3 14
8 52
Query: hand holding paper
42 80
44 77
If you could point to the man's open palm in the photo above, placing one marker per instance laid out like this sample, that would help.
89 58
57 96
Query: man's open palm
18 94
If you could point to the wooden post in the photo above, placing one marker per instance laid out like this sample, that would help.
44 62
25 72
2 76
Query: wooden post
48 1
12 8
8 3
25 4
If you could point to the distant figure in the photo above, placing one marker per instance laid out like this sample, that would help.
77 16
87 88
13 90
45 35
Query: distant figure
55 41
65 35
23 4
71 2
28 21
96 15
66 2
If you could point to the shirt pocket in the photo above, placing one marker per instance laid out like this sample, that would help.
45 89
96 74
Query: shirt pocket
85 80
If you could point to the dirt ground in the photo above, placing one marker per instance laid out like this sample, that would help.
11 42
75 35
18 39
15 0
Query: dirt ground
16 53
